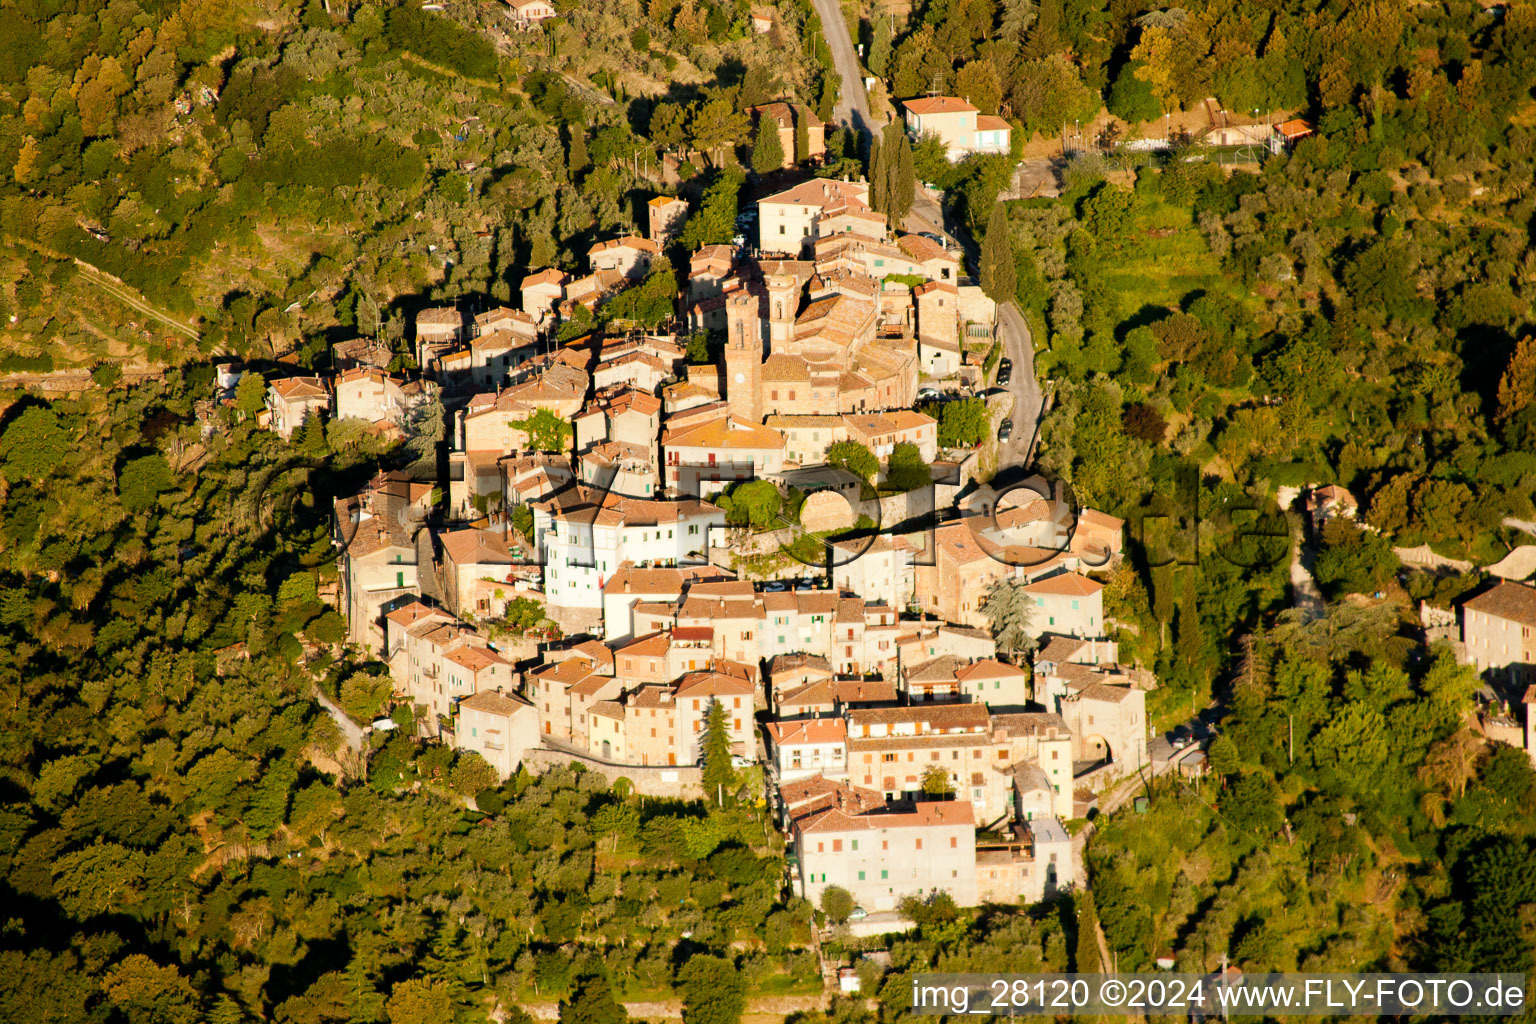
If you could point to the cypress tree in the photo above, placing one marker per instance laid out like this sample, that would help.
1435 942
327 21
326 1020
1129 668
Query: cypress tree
802 134
905 179
719 776
767 150
1086 960
876 175
998 275
576 155
880 47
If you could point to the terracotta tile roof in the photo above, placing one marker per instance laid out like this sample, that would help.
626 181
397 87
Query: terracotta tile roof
608 709
291 388
782 366
938 716
1514 602
808 796
664 201
497 703
652 645
781 664
991 123
727 432
625 242
1103 520
476 547
922 249
937 670
808 731
924 815
410 614
440 315
549 275
711 684
829 693
1031 723
1069 584
938 105
821 192
475 658
1105 693
653 695
567 672
1059 648
989 668
660 582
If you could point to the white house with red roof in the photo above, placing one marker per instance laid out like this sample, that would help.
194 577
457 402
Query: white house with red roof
881 856
961 127
810 746
1066 603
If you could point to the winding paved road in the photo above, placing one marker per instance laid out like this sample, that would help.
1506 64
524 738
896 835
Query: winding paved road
1014 457
852 107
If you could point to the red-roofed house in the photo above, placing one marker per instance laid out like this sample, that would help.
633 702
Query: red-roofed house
961 127
1067 603
499 727
882 856
527 13
292 400
811 746
630 255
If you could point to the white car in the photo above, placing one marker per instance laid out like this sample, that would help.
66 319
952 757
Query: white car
858 914
741 761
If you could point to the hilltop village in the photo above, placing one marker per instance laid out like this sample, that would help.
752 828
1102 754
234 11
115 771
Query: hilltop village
737 544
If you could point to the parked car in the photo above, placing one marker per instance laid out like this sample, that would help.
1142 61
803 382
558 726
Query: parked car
740 761
927 394
1004 374
858 914
1005 430
775 587
935 238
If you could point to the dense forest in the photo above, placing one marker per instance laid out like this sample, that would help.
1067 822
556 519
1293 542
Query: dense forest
277 176
183 836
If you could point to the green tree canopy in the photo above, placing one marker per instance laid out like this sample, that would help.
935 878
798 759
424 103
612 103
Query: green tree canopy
837 903
998 274
713 991
905 468
855 458
142 481
34 444
767 148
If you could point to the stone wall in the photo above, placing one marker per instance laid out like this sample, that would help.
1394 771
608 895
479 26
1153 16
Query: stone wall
682 781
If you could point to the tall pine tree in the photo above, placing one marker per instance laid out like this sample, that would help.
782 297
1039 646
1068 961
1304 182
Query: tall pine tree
802 134
998 274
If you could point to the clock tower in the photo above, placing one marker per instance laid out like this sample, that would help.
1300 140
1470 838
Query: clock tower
744 357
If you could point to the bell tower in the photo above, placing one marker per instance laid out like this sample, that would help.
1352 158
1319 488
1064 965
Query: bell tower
744 357
783 305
